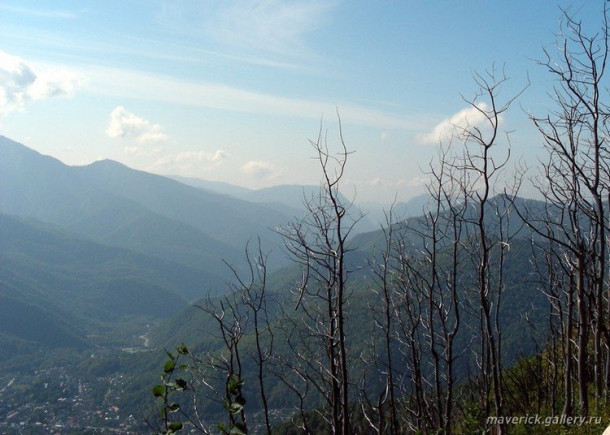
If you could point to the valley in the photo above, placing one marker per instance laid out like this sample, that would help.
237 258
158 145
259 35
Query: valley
98 282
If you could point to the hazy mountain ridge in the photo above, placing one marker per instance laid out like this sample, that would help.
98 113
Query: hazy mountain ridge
87 242
288 199
115 205
230 220
88 285
212 186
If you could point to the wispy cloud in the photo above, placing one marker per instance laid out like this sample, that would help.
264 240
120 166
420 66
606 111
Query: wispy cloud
454 126
267 25
20 83
260 170
124 124
270 24
39 12
188 51
139 85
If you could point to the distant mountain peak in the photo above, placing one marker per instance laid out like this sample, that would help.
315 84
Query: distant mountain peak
109 164
106 162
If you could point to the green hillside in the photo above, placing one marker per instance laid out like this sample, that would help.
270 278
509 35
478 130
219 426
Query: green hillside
35 325
93 288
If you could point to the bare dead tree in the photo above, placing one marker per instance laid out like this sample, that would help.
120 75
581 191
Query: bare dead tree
409 335
431 274
244 311
553 282
451 205
252 290
487 243
385 317
575 135
319 244
557 238
231 320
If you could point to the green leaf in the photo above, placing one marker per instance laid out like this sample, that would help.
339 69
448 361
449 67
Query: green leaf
158 391
234 383
169 366
174 407
175 426
182 349
235 408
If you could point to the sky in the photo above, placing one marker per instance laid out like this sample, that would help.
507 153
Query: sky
234 91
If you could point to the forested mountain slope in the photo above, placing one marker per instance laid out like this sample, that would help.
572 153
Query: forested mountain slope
119 206
91 287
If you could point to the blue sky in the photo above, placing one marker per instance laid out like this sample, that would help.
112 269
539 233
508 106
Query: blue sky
233 90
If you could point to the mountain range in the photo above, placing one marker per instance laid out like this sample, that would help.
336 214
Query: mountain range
102 257
74 238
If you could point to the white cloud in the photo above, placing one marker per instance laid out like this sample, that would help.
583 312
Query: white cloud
453 126
125 124
15 78
55 83
143 86
20 83
190 163
259 169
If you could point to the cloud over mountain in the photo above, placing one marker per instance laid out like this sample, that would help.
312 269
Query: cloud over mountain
20 83
259 169
190 162
125 124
